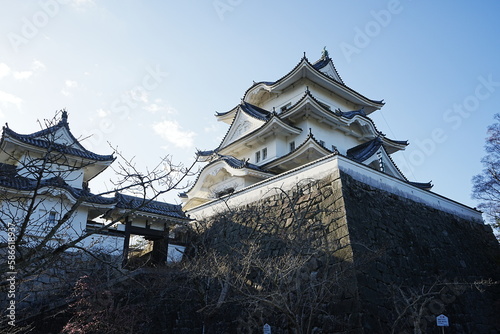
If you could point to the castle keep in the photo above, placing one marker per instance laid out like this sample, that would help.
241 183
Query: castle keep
301 219
307 128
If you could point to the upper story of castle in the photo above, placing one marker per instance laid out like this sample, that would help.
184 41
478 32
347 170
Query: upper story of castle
278 126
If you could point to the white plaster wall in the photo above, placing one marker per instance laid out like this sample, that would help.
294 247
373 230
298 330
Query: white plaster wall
282 147
243 125
331 99
40 224
296 91
73 177
324 132
112 245
325 167
271 151
291 94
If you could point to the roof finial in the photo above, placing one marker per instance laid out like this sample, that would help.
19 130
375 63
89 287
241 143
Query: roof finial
324 53
64 116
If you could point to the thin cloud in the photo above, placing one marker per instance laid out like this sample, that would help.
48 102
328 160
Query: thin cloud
159 105
38 66
68 86
173 133
213 127
22 75
4 70
7 98
153 108
80 4
139 94
103 113
71 83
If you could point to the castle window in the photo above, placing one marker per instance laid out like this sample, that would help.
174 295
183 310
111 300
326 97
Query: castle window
264 153
292 146
380 161
52 218
257 156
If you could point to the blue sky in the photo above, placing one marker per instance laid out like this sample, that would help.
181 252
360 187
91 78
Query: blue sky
148 76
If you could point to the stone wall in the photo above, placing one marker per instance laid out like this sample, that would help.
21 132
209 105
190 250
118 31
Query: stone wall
368 261
435 255
50 290
403 262
296 235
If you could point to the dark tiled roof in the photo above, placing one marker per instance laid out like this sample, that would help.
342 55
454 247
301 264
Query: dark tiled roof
317 66
27 184
145 205
232 162
426 185
120 200
363 151
399 142
338 112
205 153
310 137
7 170
44 140
351 114
255 111
237 163
321 63
245 137
251 110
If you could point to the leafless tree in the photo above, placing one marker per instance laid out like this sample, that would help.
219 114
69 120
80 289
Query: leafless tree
486 185
41 202
276 260
416 308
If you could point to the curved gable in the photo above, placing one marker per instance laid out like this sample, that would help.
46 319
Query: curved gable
374 154
245 119
275 127
329 80
222 177
326 66
307 152
59 137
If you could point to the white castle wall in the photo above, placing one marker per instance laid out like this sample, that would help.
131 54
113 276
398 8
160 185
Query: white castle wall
324 167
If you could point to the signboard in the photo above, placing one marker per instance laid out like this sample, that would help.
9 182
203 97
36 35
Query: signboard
267 329
442 320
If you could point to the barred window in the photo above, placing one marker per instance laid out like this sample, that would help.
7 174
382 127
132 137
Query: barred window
52 218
